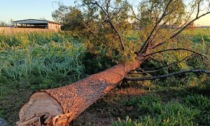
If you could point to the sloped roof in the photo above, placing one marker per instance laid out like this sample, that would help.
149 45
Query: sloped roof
33 21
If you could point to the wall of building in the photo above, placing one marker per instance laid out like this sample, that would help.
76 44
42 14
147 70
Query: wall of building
56 27
9 30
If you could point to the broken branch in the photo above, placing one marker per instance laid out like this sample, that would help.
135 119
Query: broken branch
173 49
160 68
167 75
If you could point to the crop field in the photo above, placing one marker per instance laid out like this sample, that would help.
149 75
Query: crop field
34 61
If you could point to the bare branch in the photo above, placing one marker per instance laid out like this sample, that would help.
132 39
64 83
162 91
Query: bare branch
186 20
167 75
156 32
134 14
180 30
146 43
107 5
174 49
111 24
189 24
162 67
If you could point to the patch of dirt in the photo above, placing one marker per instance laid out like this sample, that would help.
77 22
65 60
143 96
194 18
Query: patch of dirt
91 118
130 91
110 108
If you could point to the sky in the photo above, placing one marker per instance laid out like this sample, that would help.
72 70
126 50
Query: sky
204 21
29 9
39 9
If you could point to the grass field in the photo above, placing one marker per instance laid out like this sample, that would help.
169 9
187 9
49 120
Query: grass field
29 62
34 61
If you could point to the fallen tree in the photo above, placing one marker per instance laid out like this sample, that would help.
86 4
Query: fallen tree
60 106
66 103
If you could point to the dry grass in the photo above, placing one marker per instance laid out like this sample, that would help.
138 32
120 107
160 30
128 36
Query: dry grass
8 30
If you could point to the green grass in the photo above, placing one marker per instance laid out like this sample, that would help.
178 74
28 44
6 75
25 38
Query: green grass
169 106
175 101
30 62
199 34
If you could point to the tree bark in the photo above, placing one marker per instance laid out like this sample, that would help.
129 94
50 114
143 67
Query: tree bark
65 103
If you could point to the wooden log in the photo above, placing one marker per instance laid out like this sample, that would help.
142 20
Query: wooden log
65 103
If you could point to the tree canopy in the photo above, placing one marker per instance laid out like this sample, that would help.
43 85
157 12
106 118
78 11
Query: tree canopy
109 26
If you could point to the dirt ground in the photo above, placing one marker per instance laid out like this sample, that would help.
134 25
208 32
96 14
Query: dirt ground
110 108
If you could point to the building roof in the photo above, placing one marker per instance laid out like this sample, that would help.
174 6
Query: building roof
33 21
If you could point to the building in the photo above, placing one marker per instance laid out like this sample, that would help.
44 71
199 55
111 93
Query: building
34 23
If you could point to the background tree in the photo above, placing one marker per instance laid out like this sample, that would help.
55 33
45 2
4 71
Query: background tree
71 18
3 24
60 14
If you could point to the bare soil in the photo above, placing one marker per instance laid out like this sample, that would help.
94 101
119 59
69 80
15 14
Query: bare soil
109 108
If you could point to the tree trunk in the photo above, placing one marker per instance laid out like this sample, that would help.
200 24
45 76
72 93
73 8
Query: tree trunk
65 103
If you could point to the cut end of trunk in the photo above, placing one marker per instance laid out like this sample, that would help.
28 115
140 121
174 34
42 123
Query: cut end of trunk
40 103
